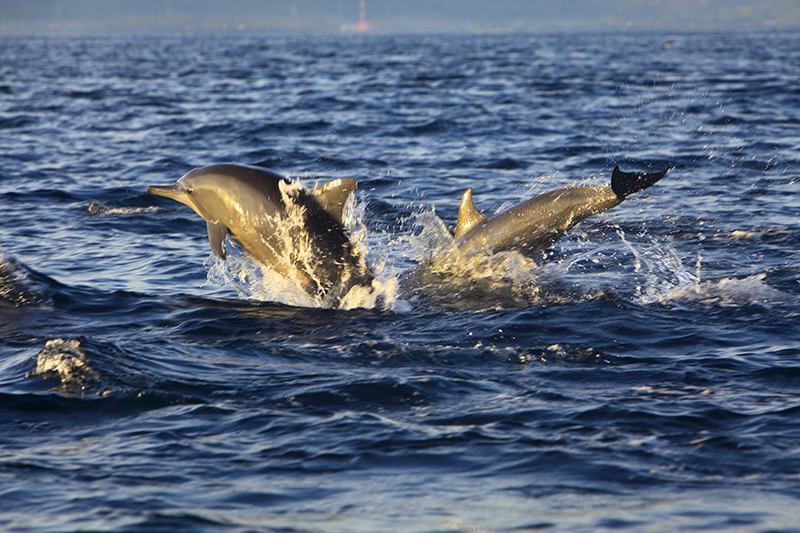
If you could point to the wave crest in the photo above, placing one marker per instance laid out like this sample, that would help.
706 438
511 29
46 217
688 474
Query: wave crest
66 361
18 287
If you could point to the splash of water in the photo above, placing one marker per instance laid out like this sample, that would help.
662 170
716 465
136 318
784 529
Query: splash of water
668 281
252 280
662 269
425 260
65 361
453 276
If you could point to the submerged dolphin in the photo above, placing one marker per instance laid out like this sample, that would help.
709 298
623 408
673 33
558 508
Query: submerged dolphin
296 231
536 224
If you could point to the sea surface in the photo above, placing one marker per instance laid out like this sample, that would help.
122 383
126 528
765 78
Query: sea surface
643 376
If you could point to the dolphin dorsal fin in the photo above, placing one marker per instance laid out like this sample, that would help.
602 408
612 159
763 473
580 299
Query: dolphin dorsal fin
468 215
216 237
333 195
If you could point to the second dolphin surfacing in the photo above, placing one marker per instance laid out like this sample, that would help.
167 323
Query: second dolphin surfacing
536 224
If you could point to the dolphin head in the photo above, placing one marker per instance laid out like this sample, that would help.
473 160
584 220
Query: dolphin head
211 191
183 190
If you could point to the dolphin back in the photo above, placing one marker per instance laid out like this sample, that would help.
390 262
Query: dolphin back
536 224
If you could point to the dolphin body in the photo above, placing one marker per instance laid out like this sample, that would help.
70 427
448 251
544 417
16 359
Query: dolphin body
536 224
296 231
299 232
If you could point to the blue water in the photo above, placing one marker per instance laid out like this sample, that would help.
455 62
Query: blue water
645 376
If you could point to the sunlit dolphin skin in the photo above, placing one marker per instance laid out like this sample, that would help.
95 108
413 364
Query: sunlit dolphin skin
296 231
536 224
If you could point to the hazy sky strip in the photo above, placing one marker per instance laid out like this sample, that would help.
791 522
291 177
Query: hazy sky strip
389 16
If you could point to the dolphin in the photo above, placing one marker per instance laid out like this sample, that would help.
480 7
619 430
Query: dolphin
536 224
296 231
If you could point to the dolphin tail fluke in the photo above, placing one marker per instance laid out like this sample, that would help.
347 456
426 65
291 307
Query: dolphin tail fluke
626 183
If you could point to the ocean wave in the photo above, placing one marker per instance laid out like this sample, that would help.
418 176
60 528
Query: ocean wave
19 286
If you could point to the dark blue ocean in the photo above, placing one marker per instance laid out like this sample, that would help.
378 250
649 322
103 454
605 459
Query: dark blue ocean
644 376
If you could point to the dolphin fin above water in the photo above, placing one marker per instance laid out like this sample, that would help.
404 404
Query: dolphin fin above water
536 224
468 215
333 196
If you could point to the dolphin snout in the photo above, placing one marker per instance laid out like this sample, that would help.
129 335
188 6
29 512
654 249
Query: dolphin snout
169 191
175 192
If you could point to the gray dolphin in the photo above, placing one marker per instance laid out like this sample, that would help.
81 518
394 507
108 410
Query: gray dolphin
296 231
536 224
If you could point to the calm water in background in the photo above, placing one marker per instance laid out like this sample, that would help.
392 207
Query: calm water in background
644 377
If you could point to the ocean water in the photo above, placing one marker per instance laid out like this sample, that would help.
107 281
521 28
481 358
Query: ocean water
644 376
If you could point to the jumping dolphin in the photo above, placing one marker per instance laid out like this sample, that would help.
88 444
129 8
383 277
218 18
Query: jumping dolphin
296 231
536 224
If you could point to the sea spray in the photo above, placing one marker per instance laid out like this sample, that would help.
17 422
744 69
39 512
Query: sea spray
252 280
668 281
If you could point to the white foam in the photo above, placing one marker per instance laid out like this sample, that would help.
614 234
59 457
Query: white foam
508 276
729 292
252 280
66 361
101 209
